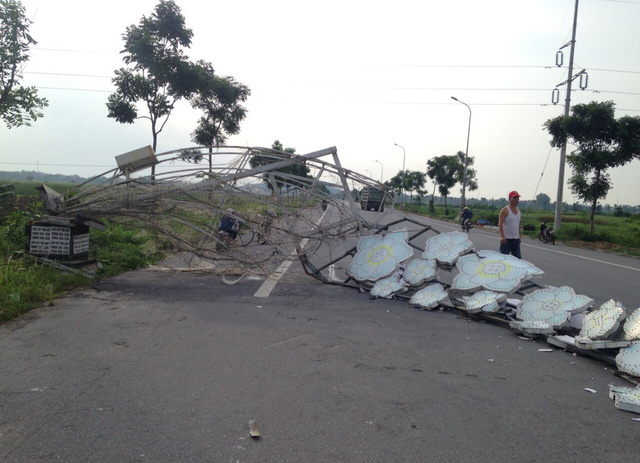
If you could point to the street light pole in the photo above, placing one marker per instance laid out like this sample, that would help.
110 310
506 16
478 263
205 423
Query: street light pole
466 154
404 172
370 174
381 171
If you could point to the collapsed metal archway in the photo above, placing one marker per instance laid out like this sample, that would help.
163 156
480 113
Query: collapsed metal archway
183 202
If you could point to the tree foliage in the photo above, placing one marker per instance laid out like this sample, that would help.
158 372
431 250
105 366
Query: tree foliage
471 180
602 142
280 153
395 183
220 101
413 181
18 105
158 72
446 171
543 201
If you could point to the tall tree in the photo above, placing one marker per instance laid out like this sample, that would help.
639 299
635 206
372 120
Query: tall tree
471 180
602 142
413 181
158 73
220 101
543 201
18 105
396 183
444 171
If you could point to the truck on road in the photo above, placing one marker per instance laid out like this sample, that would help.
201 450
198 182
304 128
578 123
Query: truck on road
372 199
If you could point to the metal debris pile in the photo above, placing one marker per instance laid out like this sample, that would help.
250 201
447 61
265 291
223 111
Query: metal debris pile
450 273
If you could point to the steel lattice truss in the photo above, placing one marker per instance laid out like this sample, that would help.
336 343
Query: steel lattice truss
191 189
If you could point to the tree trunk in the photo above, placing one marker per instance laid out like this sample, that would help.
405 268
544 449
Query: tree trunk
432 203
155 143
593 213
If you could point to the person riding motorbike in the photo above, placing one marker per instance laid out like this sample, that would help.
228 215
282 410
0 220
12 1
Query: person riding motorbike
229 224
546 231
466 217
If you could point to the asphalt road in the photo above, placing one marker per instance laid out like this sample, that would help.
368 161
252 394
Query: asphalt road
161 366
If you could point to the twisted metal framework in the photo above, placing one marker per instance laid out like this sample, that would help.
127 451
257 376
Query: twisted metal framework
184 202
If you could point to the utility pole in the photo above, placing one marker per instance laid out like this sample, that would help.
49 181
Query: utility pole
567 106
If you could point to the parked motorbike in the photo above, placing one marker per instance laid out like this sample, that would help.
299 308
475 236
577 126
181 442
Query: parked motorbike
546 234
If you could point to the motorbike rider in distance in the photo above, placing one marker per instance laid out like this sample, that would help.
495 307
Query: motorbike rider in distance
466 217
546 231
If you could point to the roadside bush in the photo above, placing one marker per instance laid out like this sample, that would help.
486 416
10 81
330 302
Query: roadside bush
120 247
489 216
582 234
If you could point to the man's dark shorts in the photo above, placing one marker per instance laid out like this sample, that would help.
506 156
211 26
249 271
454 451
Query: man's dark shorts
512 246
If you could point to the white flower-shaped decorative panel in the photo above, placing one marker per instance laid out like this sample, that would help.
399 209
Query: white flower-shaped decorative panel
429 297
600 324
447 247
532 270
626 398
378 256
632 326
387 287
420 270
495 272
552 306
628 359
485 301
532 327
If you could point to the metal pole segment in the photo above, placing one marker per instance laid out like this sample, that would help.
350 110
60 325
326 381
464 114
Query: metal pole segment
567 106
345 185
466 154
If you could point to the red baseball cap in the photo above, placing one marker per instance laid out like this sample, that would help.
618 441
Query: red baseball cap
513 194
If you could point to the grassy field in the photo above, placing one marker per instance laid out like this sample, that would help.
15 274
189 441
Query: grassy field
28 188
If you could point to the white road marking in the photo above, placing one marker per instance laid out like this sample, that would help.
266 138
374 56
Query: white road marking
582 257
271 282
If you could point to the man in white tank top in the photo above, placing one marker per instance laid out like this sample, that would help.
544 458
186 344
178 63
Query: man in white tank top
509 225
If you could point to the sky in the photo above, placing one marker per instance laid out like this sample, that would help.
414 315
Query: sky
363 76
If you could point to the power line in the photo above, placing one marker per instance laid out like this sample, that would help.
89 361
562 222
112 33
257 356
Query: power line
76 89
63 74
77 51
54 165
622 1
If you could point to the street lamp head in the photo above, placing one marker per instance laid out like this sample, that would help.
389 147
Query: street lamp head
454 98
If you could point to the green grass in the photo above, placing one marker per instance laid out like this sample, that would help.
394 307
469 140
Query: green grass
26 284
28 187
